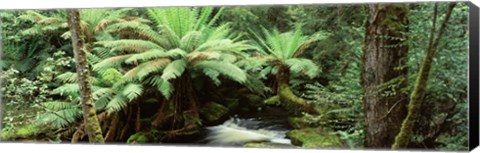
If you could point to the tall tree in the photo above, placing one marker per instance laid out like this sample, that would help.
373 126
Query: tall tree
384 73
91 124
416 99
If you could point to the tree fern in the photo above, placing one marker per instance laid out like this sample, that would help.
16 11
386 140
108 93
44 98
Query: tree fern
227 69
174 69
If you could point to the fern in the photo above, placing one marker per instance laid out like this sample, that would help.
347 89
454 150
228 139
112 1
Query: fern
132 91
174 69
304 66
227 69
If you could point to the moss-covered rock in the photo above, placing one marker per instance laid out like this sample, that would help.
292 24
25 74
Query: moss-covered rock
213 113
25 132
231 103
302 122
315 138
267 145
145 137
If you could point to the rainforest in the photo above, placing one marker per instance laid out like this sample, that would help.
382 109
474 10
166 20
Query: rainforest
341 76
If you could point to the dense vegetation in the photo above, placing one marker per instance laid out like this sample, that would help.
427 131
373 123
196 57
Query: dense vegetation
345 74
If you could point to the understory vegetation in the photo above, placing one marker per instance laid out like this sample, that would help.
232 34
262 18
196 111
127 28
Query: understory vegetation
160 75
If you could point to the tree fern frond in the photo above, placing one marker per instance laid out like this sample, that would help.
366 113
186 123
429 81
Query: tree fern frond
110 62
129 45
132 91
116 104
67 89
67 77
190 41
304 66
174 69
227 69
59 105
146 68
145 56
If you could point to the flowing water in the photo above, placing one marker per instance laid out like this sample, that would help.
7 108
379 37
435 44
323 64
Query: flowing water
268 125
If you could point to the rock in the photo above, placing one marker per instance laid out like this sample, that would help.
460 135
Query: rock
315 138
302 122
231 103
213 113
268 145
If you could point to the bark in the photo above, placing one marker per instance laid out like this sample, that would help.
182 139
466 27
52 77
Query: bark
416 99
384 62
182 106
112 130
92 126
288 99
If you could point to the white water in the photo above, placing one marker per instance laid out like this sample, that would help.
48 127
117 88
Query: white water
239 131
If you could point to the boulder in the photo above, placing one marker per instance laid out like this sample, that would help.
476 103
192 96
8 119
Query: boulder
213 113
315 138
268 145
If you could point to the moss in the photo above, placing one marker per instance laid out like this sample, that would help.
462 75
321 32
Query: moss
293 103
274 100
267 145
302 122
140 137
28 131
213 113
315 138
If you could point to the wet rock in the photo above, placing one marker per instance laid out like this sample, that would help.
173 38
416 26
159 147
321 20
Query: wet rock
213 113
302 122
315 138
268 145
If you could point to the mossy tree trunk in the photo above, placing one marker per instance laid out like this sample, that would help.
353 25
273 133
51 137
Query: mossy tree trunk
92 125
384 66
416 99
287 98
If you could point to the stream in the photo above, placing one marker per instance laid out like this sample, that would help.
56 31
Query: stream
243 127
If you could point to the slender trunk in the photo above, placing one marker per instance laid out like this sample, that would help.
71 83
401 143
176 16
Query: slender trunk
288 99
112 130
416 99
384 64
92 126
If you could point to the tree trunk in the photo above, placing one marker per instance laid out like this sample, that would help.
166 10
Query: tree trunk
384 64
416 99
288 99
92 126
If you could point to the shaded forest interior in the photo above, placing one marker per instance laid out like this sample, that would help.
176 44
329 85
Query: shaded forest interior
341 76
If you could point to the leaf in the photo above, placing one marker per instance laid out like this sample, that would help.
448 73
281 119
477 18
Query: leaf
174 69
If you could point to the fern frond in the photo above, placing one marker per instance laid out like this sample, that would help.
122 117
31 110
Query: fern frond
227 69
110 62
67 77
145 56
116 104
144 69
59 105
132 91
129 45
174 69
303 66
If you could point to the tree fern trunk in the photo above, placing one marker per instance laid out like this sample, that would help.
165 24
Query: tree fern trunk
287 98
92 126
416 99
384 61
